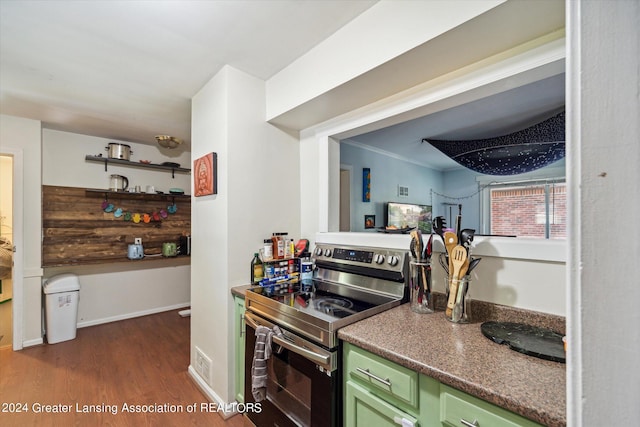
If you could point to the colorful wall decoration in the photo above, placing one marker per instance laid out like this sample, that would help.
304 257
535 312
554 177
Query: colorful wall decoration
366 184
205 179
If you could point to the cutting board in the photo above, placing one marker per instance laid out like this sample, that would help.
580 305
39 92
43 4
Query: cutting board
531 340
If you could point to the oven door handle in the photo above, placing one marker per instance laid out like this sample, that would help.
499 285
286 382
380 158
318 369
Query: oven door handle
318 358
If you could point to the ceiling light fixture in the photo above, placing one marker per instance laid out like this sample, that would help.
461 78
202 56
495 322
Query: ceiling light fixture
167 141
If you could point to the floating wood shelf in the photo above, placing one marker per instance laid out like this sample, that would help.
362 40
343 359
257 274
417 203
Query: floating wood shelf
97 192
107 160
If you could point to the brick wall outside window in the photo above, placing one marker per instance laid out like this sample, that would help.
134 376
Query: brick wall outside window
520 211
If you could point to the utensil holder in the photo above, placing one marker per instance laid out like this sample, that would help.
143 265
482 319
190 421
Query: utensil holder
421 299
460 312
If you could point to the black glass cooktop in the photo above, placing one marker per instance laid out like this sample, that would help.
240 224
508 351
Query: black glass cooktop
319 303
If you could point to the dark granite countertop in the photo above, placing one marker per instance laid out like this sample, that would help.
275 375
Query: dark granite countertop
460 356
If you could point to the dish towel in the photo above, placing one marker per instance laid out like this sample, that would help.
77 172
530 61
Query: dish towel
261 353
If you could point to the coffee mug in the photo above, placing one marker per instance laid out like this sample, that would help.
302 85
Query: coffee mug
151 189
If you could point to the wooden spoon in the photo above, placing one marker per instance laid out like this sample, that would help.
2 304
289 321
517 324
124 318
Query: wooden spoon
457 259
450 242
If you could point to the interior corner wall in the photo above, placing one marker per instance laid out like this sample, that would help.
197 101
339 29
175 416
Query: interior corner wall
603 379
258 194
25 135
386 174
209 222
309 183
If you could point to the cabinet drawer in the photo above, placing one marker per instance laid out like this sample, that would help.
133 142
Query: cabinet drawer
458 409
363 409
382 377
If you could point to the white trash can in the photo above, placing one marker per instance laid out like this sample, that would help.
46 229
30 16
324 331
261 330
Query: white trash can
61 307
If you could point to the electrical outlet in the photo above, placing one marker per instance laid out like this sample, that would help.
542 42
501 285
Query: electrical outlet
203 365
137 240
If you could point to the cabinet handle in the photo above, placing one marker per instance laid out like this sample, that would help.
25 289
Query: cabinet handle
375 377
403 422
241 325
466 423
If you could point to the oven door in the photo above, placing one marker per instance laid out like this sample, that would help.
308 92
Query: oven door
302 384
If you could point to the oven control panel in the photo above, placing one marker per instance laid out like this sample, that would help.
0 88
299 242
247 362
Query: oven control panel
378 258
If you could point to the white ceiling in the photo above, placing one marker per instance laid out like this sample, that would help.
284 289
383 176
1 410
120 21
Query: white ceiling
127 69
492 116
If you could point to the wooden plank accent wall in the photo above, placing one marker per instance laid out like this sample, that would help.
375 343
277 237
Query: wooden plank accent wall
76 230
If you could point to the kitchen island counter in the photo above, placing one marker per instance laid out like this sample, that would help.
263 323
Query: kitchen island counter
460 356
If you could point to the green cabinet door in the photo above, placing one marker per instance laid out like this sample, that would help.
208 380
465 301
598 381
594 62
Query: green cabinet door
239 341
363 409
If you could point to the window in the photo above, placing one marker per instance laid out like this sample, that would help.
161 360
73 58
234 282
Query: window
528 209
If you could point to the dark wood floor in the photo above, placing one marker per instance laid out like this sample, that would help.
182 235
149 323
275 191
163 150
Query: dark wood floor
140 361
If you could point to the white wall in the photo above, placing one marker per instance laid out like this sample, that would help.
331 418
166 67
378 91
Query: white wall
386 174
603 379
118 290
258 193
380 34
23 136
64 163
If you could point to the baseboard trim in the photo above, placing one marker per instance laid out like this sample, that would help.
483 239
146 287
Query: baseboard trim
212 396
31 343
132 315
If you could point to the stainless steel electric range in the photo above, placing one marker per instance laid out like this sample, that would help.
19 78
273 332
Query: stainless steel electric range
349 284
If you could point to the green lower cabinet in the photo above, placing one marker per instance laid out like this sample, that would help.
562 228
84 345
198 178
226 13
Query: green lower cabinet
239 341
364 409
378 392
460 409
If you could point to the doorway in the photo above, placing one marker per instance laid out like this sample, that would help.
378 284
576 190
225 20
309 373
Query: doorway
6 250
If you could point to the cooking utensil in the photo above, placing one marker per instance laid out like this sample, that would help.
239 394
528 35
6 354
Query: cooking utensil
461 290
118 183
460 312
416 251
450 242
473 263
428 248
412 246
439 224
466 237
442 259
457 259
459 222
428 252
119 151
416 238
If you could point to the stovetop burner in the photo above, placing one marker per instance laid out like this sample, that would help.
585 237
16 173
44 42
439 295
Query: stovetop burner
338 307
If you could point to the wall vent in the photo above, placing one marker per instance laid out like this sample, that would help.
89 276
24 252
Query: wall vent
403 191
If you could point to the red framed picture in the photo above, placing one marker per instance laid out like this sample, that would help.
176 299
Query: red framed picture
205 179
